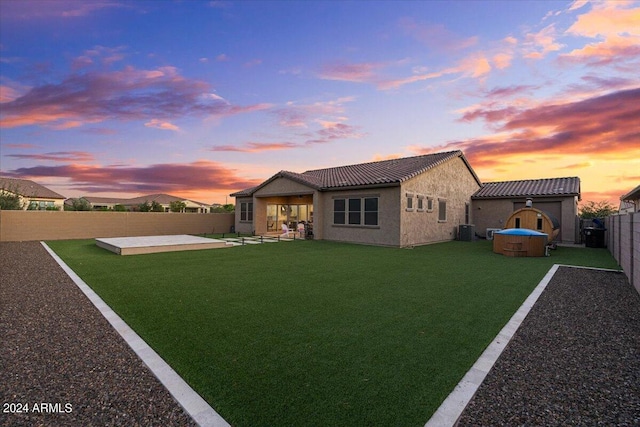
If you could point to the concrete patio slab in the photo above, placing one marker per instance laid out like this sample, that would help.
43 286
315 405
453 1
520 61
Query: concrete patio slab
155 244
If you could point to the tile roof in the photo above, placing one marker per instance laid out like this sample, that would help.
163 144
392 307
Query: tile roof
28 188
530 188
163 199
380 173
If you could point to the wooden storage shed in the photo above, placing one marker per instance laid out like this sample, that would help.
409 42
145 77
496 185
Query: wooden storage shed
534 219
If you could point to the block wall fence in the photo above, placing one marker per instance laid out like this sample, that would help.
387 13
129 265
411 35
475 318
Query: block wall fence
16 226
623 241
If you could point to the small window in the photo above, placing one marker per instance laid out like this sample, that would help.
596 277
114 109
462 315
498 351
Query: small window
467 214
539 224
339 211
246 211
420 203
442 210
429 204
409 201
517 223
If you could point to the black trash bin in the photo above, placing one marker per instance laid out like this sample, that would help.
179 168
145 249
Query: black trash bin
594 237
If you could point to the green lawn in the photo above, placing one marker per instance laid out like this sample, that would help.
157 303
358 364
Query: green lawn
319 333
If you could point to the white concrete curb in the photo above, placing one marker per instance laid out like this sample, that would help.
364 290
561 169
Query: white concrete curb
450 410
193 404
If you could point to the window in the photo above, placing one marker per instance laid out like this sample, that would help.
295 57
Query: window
517 223
442 210
409 202
246 211
355 208
539 224
429 204
467 214
355 211
371 211
339 211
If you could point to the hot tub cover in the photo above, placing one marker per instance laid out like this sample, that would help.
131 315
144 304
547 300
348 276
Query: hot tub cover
521 232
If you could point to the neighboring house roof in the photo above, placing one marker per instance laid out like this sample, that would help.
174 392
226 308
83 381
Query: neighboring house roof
381 173
632 195
529 188
163 199
108 200
28 188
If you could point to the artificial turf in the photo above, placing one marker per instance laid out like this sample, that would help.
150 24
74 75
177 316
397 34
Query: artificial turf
311 333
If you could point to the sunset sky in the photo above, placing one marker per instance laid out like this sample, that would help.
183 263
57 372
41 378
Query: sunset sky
203 98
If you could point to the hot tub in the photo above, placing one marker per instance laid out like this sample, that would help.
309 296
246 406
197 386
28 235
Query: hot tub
519 242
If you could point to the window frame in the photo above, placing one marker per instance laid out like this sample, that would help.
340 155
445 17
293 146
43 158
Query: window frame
355 214
430 200
246 211
409 202
442 210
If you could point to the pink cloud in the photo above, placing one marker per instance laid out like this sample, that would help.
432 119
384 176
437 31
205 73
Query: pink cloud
538 45
159 124
509 91
604 125
616 26
201 175
358 73
437 36
59 156
29 10
21 146
124 95
256 147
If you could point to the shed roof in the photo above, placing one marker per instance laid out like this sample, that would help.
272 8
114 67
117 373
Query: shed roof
569 186
380 173
28 188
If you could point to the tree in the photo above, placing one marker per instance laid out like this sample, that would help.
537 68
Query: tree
177 206
156 207
119 208
148 206
80 204
224 209
591 209
10 200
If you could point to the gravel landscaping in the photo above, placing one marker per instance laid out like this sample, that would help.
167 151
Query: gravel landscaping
574 361
62 364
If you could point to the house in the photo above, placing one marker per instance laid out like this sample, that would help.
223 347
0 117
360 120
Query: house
165 200
630 202
495 202
400 202
32 195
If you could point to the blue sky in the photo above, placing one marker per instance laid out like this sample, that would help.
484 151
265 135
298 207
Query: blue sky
204 98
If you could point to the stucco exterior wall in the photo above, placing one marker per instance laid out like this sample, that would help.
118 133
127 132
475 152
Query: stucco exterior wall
493 213
386 233
450 181
53 225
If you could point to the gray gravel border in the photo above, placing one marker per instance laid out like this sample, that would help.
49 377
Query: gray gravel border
191 401
60 357
574 361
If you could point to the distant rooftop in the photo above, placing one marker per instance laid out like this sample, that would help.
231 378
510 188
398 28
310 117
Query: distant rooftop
28 188
530 188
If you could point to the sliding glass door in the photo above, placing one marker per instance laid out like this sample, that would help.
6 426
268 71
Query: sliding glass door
290 214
